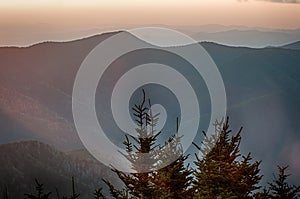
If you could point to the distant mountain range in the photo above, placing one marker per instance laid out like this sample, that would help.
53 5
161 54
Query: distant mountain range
233 35
36 84
36 88
249 38
23 162
292 46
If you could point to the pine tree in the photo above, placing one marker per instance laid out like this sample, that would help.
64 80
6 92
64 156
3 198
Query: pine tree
40 192
171 181
220 173
280 189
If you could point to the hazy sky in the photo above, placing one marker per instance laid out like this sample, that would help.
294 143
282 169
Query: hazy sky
179 12
34 16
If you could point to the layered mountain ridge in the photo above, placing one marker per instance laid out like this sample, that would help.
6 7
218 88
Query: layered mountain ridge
262 87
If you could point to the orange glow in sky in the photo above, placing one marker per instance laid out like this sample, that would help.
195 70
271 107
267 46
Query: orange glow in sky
174 12
74 15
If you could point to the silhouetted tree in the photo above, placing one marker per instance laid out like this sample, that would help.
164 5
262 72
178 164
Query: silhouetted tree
280 189
169 182
220 173
138 184
40 192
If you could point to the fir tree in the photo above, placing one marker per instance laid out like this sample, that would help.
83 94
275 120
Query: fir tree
174 180
40 192
220 173
138 185
280 189
171 181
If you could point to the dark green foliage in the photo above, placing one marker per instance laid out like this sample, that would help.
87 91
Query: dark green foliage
220 173
280 189
39 192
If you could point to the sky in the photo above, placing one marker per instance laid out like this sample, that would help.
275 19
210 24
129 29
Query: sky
19 18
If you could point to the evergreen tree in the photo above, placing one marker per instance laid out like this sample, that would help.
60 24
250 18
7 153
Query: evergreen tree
171 181
174 180
138 185
40 192
280 189
220 173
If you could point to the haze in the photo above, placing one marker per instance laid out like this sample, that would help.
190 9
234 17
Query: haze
19 19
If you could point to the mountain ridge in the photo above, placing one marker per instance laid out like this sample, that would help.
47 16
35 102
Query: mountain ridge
46 73
29 160
292 46
9 35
